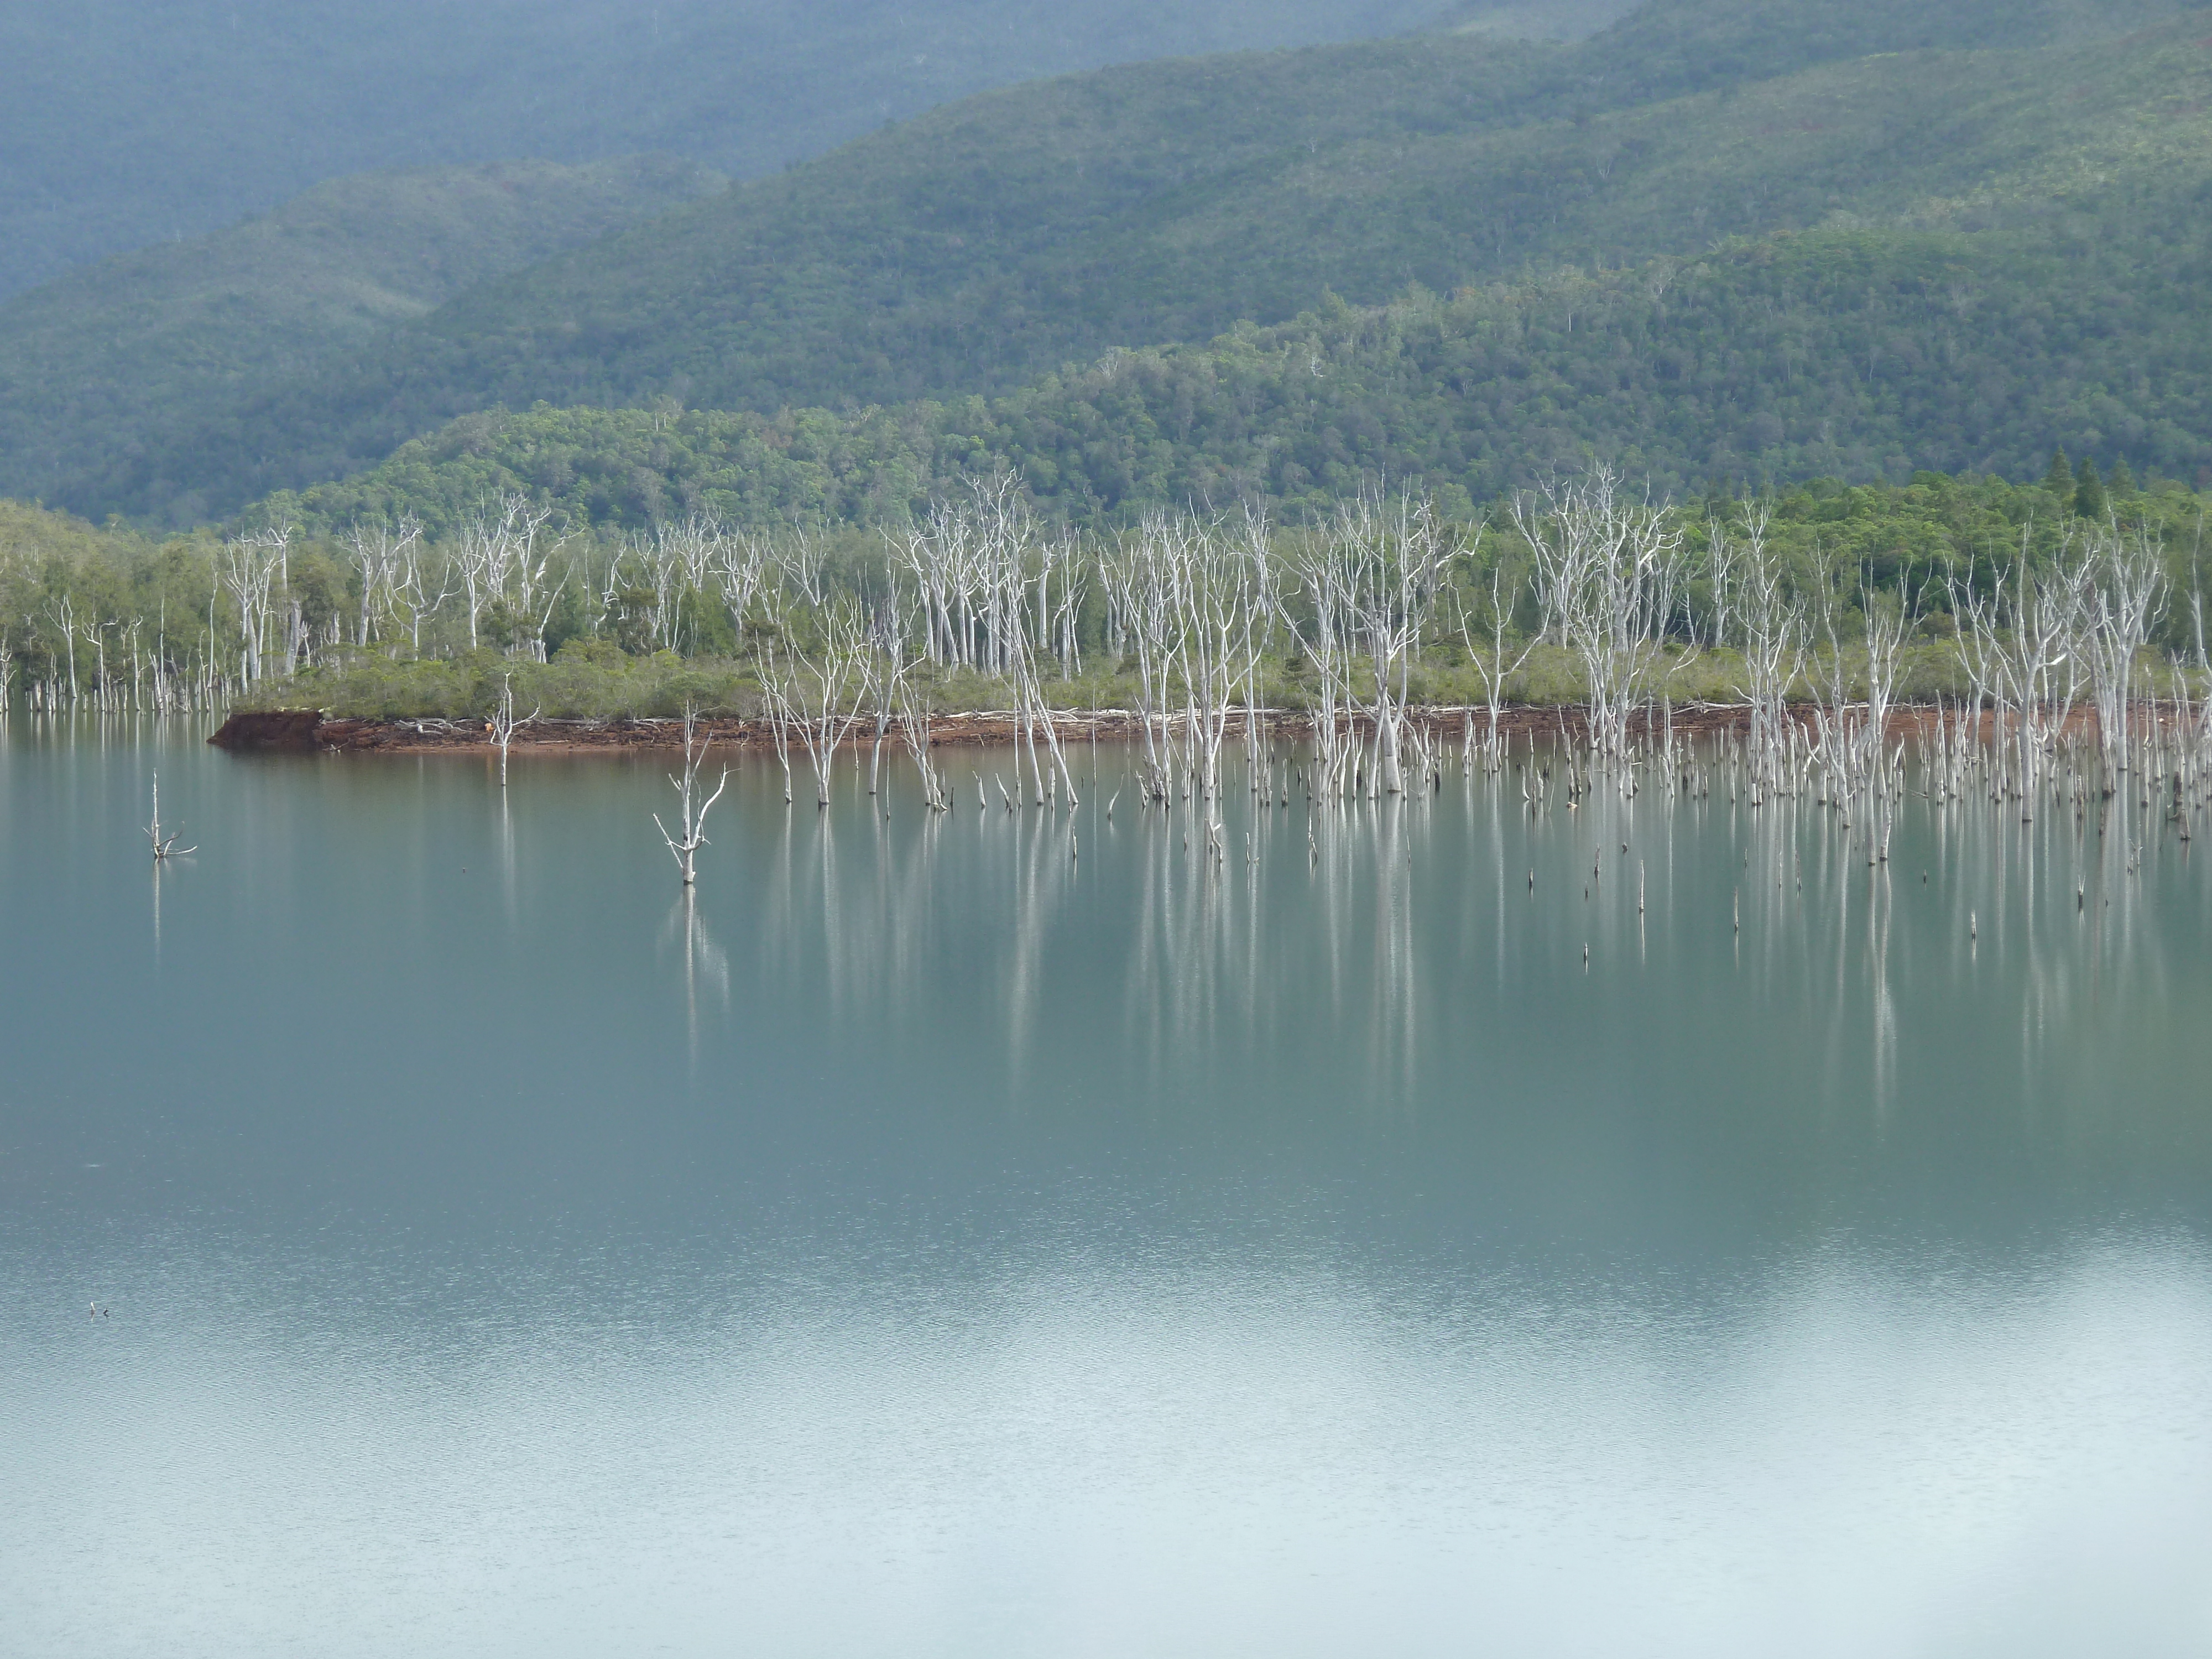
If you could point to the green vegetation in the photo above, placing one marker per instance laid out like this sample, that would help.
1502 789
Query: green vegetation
132 122
597 681
99 362
630 630
1842 352
985 246
71 595
585 679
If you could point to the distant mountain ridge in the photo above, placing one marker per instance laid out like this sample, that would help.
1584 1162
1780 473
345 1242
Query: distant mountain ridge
129 122
985 248
1691 45
108 356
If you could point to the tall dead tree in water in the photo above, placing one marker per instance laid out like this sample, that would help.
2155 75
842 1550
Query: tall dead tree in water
165 847
914 729
995 594
885 667
1395 551
1194 601
1482 631
820 693
2123 587
1217 603
1608 567
685 848
2017 645
1138 575
1772 622
1853 728
502 726
1329 585
1370 576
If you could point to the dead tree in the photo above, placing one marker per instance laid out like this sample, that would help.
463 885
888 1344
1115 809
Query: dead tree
1490 659
381 554
1328 650
684 848
1138 576
1608 568
913 728
821 694
411 587
165 847
502 726
2014 641
2123 588
1774 638
737 562
251 568
1399 552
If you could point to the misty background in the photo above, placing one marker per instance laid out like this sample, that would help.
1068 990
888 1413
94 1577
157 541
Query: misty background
130 122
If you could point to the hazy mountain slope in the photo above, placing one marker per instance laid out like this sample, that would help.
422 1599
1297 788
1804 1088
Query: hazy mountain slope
1530 19
1682 44
989 243
104 358
127 122
1852 353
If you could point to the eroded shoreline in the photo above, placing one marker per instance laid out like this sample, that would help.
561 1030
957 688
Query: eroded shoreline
309 731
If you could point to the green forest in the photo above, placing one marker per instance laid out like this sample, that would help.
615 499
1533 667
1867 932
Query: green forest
1842 354
1984 181
420 432
108 358
382 618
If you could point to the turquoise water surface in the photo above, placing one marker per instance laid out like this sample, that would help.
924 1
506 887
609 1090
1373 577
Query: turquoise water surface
1024 1233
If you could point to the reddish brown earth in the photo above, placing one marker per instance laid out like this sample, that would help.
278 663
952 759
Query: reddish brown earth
305 730
279 728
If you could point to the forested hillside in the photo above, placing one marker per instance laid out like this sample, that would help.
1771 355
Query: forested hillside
993 243
1855 354
101 360
130 122
1681 45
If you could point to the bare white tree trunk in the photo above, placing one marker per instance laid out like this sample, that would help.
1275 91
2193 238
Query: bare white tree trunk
692 822
1608 570
165 847
503 725
1490 659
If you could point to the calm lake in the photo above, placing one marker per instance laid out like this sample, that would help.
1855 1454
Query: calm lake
1022 1234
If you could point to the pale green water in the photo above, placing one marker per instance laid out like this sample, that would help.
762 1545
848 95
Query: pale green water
934 1244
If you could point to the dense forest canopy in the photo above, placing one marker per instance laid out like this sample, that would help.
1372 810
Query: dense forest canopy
987 246
1867 354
